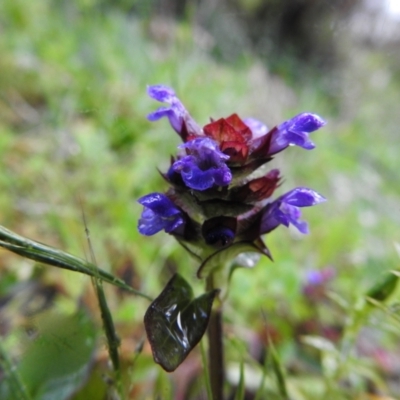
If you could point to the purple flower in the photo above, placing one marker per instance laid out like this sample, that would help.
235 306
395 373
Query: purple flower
204 166
257 127
176 112
295 132
317 277
315 282
285 210
160 213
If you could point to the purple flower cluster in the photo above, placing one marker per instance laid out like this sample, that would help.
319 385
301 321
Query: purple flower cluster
212 203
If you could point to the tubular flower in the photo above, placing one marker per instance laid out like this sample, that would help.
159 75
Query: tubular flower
177 114
295 132
159 213
219 200
204 166
286 210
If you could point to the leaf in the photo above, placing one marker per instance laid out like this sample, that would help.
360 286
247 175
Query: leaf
385 287
55 365
11 380
175 322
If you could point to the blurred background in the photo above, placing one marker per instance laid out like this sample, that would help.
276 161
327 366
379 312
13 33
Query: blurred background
74 136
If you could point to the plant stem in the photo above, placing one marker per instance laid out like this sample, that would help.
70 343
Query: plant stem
216 350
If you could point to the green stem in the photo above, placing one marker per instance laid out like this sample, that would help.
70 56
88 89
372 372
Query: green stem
216 349
113 340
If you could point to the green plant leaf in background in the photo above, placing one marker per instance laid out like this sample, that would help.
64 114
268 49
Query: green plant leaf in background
175 322
384 287
56 363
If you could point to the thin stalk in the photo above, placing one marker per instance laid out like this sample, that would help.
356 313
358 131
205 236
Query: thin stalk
215 349
206 376
113 340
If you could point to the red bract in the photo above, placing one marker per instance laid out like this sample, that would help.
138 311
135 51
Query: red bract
239 142
232 135
236 140
258 189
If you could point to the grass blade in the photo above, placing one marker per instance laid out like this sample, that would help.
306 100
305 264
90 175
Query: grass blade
278 370
240 391
48 255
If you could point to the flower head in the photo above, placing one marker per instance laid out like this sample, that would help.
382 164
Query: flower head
160 213
219 203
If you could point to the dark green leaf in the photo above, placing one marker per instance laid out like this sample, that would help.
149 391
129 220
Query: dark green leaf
175 322
384 288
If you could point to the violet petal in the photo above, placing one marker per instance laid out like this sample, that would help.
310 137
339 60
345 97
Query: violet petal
205 165
285 210
159 213
176 112
257 127
295 132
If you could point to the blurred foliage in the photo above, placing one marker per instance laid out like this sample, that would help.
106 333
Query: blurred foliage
65 345
73 134
300 40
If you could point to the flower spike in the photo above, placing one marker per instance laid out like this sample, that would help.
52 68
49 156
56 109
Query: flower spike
220 203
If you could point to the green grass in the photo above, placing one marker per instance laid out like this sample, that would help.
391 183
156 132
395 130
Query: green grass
73 131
